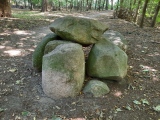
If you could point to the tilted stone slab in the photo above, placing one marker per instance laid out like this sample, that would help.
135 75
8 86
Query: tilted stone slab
39 51
117 38
53 44
63 71
81 30
107 61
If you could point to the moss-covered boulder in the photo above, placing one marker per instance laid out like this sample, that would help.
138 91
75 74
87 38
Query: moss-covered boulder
107 61
39 50
81 30
96 88
63 71
53 44
117 38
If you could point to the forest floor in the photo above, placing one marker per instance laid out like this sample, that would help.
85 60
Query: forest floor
21 94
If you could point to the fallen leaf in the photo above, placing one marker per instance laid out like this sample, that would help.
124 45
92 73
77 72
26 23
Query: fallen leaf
1 110
136 102
25 113
58 107
157 108
128 107
18 82
119 110
144 101
72 109
13 70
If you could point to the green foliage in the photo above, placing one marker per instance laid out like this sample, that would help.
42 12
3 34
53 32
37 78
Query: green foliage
158 19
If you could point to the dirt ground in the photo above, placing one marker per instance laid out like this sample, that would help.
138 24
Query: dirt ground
21 94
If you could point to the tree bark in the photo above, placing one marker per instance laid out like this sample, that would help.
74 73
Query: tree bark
103 3
5 8
111 4
155 15
95 7
136 13
106 7
143 13
90 5
121 4
130 5
66 5
87 5
44 5
134 2
99 5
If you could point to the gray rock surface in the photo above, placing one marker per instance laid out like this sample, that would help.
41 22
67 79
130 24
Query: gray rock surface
77 29
53 44
107 61
117 38
63 71
96 87
39 51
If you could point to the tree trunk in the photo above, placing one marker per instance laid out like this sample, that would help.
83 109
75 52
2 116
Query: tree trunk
25 4
31 4
66 5
106 7
136 13
59 5
16 4
143 13
111 4
155 15
99 5
5 8
130 5
95 7
44 5
134 2
71 5
121 4
103 4
90 5
81 7
87 5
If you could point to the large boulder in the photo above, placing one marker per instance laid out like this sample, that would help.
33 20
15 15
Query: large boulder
107 61
81 30
63 71
96 87
53 44
117 38
39 51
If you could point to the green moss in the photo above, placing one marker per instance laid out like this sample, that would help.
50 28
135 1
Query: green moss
39 51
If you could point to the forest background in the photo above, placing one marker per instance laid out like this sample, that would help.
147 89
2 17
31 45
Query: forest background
131 10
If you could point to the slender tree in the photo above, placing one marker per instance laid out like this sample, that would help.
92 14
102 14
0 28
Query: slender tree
107 3
95 7
155 15
121 4
31 4
44 5
136 13
99 5
143 12
111 4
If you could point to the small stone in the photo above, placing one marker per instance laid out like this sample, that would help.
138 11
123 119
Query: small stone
96 87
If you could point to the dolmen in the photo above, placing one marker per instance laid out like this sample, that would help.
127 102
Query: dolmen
61 57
